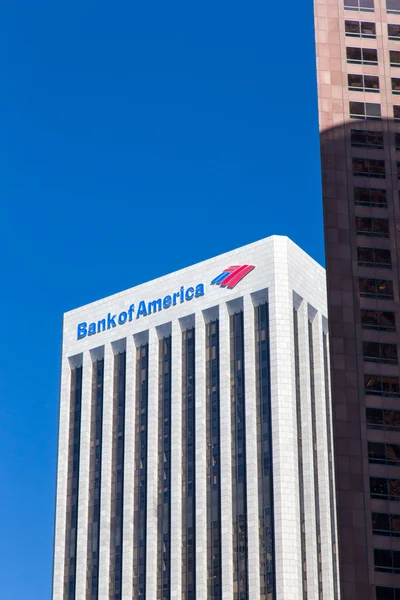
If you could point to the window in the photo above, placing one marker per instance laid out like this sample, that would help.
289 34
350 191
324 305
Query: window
397 141
366 139
393 32
387 593
360 29
398 170
369 167
385 524
396 113
383 454
372 226
381 385
381 320
370 197
374 257
396 85
365 5
376 288
382 418
387 561
362 56
394 57
365 83
380 352
365 110
384 489
393 6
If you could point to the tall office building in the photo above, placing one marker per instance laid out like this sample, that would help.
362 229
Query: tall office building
358 65
195 457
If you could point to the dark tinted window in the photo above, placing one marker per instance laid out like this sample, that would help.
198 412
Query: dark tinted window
374 257
396 113
396 85
380 352
363 56
385 489
375 288
387 593
394 32
367 83
394 57
366 139
370 197
382 385
382 418
369 167
387 561
365 5
365 110
382 320
372 227
393 6
383 454
363 29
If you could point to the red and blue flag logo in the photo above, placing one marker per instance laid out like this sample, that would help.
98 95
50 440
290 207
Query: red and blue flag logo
232 275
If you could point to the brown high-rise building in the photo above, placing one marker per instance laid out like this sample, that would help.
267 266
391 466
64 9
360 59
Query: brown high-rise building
358 64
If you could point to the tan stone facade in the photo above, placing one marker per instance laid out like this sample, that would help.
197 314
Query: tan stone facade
358 48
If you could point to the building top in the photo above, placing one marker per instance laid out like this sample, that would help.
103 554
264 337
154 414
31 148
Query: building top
275 260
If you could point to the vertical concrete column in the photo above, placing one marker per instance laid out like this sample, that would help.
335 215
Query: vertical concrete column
253 534
62 475
176 462
129 467
200 458
284 432
226 454
323 460
331 451
308 454
152 468
106 464
84 467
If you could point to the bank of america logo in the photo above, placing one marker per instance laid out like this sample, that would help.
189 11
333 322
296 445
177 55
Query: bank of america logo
232 275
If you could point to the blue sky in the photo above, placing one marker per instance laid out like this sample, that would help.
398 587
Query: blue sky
138 138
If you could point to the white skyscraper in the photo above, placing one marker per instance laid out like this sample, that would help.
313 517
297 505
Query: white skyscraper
195 457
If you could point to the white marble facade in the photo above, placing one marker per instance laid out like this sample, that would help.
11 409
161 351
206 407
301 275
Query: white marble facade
288 279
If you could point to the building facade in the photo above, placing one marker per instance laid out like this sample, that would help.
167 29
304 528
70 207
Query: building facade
358 70
195 436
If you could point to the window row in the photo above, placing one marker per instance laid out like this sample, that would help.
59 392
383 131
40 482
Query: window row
382 385
383 418
361 138
369 56
385 524
370 83
376 288
370 111
380 453
392 6
380 352
371 167
366 29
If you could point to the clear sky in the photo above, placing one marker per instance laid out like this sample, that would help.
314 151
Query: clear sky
137 138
